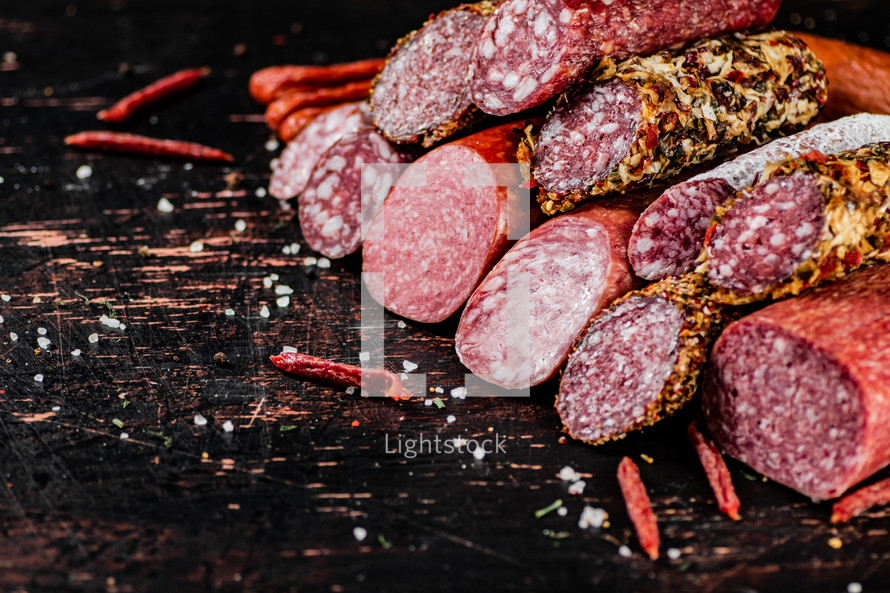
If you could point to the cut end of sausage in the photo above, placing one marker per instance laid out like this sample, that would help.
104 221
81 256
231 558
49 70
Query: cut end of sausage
670 234
614 379
519 325
586 137
522 57
424 90
772 230
787 409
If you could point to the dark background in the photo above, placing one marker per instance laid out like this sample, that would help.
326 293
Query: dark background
272 504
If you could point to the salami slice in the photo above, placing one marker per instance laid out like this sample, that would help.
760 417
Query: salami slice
671 232
532 50
292 168
574 265
800 390
423 93
343 195
639 360
646 119
443 226
812 219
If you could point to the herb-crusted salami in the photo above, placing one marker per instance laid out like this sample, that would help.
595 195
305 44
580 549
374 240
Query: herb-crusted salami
800 390
532 50
342 197
812 219
423 93
671 232
292 168
639 360
574 265
646 119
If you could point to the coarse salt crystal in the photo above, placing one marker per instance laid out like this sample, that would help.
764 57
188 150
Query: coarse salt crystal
439 390
283 301
196 247
1 318
36 300
188 166
323 262
230 312
286 250
274 277
459 392
295 248
409 366
364 356
41 331
592 517
125 436
260 192
122 327
164 205
43 342
310 261
264 312
113 323
562 511
428 402
283 289
289 349
350 390
13 336
577 488
567 474
228 426
271 145
38 377
450 418
401 324
854 587
360 533
83 172
75 352
93 338
200 420
673 553
267 282
624 551
56 408
240 226
5 298
478 453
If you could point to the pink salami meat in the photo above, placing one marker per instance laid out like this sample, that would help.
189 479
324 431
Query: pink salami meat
443 226
800 390
532 50
423 93
291 170
343 194
671 232
573 266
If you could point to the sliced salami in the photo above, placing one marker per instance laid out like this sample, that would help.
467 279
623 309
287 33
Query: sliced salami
800 390
670 234
532 50
423 93
292 168
343 195
812 219
639 360
573 266
444 226
646 119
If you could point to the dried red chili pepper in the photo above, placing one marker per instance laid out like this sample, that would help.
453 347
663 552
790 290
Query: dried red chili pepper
716 470
122 142
294 123
281 108
163 88
267 84
860 501
639 507
338 373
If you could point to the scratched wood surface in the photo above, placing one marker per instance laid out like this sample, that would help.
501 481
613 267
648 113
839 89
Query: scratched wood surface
144 464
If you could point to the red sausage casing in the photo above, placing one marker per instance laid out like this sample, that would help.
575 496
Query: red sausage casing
445 225
800 390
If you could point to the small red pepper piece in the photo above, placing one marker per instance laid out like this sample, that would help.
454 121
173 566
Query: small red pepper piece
163 88
281 108
338 373
268 84
639 507
716 470
122 142
860 501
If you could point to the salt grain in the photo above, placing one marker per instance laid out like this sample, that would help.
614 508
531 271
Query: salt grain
428 402
295 248
592 517
41 331
450 418
125 436
122 327
56 408
459 392
43 342
240 226
624 552
854 587
286 250
283 289
230 312
5 298
196 247
673 553
260 192
1 318
283 302
271 145
289 349
84 172
13 336
310 261
93 338
478 453
267 282
577 488
350 390
200 420
274 277
401 324
409 366
75 352
36 300
439 390
360 533
38 377
164 205
562 511
567 474
264 312
323 262
364 356
228 426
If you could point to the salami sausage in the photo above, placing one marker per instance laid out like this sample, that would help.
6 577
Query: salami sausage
423 93
812 219
646 119
575 265
341 197
671 232
639 360
291 170
532 50
800 390
446 224
849 66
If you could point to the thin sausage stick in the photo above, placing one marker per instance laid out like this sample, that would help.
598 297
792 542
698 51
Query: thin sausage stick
639 508
121 142
716 470
266 84
860 501
281 108
163 88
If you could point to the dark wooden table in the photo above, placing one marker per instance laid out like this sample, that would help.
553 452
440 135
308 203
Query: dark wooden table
110 479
